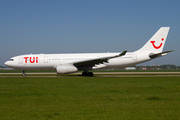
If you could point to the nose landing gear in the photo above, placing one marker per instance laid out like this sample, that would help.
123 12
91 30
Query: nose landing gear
24 74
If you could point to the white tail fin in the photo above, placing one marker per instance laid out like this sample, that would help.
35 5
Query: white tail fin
157 41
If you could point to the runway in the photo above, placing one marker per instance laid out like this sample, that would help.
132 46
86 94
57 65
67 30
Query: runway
54 73
96 74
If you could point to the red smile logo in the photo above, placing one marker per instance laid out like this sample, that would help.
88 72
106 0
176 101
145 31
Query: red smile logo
157 47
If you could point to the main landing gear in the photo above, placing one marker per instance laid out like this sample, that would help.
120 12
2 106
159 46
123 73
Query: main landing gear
24 74
86 73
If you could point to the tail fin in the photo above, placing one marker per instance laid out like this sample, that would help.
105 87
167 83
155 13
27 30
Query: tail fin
157 41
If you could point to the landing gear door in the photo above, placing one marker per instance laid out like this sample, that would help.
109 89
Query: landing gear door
20 60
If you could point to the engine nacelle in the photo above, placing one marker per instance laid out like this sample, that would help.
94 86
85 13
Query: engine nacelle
65 69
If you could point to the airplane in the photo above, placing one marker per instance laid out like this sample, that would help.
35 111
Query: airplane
71 63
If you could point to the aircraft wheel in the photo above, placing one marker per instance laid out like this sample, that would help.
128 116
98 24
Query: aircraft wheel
87 74
24 74
84 73
90 74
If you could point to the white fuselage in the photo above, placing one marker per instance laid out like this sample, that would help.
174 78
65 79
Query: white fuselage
50 61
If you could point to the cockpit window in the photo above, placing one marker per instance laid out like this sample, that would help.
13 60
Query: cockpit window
11 60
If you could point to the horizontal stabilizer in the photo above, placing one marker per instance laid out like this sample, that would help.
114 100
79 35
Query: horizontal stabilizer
155 55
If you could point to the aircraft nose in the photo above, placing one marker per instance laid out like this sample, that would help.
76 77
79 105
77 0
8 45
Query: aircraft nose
7 63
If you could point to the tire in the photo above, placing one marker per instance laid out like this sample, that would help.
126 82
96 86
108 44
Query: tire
23 75
90 74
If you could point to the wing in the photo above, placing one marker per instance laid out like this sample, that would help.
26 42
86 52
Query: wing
92 62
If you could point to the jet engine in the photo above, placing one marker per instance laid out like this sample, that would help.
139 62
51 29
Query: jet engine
65 69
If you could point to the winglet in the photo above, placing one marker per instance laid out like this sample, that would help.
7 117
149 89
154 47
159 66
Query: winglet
121 54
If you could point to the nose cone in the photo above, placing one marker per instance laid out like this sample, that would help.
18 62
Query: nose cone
7 63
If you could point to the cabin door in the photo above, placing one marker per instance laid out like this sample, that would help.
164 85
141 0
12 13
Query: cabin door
134 57
46 59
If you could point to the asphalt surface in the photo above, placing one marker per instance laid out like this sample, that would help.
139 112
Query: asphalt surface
97 74
51 73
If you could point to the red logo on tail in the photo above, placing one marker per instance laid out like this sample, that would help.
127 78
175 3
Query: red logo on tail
157 47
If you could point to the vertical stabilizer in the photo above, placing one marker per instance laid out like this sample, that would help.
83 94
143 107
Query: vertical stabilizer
157 41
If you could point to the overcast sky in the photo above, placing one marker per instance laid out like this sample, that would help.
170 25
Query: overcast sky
93 26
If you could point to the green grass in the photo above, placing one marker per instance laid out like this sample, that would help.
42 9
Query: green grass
90 98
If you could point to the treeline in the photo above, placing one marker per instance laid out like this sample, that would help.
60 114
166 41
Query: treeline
158 67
